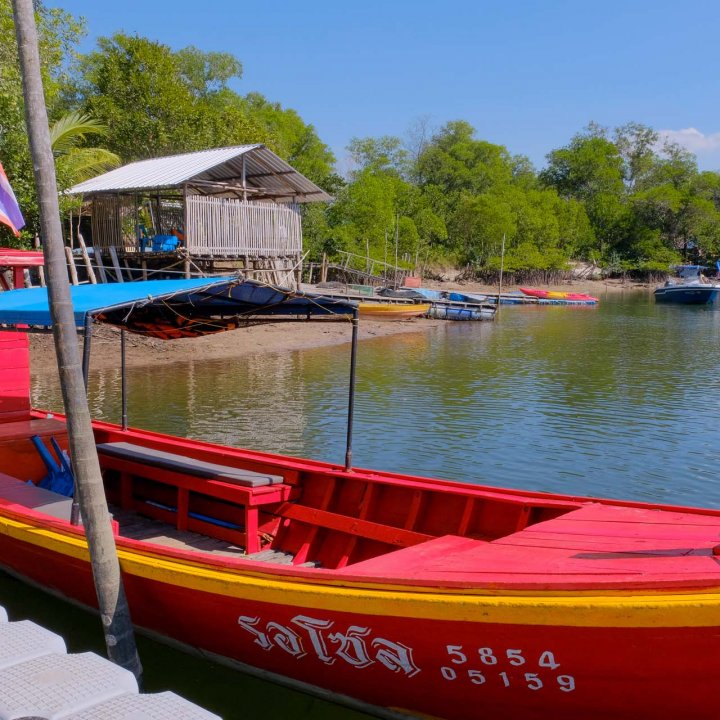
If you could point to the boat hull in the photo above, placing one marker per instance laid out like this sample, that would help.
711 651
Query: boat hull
688 295
392 311
448 655
442 311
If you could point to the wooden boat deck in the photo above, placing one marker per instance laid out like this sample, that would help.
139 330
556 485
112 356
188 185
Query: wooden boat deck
591 546
138 527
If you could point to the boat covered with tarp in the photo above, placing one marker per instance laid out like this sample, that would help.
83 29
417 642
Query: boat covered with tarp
396 593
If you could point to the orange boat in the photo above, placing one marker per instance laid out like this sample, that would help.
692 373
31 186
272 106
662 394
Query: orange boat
439 598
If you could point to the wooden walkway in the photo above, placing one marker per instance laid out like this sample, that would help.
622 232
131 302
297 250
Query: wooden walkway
138 527
39 679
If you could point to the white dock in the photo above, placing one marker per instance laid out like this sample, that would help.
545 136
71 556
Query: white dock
39 679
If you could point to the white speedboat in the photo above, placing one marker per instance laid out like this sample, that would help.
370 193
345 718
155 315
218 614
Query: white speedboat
689 287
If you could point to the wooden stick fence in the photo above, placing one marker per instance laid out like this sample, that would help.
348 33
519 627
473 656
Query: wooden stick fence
229 227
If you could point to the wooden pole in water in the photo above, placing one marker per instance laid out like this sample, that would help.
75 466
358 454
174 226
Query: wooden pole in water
397 240
119 637
502 267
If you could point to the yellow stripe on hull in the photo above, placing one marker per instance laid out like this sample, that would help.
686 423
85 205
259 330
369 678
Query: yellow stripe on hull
325 593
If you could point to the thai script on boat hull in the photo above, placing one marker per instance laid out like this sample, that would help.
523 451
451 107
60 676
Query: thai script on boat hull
355 645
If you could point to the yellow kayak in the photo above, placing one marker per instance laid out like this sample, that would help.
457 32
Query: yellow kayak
392 311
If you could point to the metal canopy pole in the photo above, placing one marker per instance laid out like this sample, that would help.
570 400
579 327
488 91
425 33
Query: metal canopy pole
123 380
351 398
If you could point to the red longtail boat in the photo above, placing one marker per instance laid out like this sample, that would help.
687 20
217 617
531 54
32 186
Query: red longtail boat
410 594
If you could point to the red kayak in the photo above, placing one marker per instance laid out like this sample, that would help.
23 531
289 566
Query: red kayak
557 294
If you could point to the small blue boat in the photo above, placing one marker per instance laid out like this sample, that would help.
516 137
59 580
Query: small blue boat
453 305
689 287
461 311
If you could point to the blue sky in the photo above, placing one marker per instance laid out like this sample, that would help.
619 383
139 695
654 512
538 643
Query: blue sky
528 75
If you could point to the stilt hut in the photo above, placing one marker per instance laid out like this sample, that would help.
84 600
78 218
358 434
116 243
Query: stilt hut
234 205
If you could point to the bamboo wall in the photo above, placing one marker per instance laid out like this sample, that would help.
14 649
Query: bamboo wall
233 228
216 227
113 222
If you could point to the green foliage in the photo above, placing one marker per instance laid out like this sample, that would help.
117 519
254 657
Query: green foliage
294 141
140 99
384 154
457 162
75 162
620 196
647 204
58 33
589 165
158 102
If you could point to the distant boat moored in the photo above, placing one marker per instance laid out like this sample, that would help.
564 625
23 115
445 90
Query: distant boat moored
689 287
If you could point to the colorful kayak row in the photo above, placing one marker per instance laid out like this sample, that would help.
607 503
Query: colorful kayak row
558 295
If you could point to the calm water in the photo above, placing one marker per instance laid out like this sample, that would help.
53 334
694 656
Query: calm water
620 400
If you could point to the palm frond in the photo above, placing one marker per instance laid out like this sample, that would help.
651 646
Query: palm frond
70 129
84 163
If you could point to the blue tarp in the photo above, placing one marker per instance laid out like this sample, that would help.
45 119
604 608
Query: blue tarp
204 297
30 306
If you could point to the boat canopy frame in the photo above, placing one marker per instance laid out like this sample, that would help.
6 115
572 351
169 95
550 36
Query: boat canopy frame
173 309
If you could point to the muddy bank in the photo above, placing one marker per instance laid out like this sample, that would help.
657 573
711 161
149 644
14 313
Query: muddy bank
270 338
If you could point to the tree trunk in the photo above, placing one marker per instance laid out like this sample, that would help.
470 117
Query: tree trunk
117 626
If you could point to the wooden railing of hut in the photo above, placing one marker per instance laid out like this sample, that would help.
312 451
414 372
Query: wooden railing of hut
231 228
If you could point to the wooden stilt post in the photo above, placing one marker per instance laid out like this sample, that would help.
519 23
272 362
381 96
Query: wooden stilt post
86 260
119 637
116 263
100 263
71 265
41 270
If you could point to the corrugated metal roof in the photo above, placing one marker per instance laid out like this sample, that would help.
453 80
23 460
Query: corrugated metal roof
264 170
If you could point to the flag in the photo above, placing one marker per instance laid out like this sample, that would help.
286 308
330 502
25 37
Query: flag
9 209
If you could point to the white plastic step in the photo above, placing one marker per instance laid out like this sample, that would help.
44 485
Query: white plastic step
54 686
24 640
162 706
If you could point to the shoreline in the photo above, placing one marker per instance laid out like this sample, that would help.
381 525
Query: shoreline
254 340
273 337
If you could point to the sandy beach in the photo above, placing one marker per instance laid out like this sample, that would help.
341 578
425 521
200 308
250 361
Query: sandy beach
272 337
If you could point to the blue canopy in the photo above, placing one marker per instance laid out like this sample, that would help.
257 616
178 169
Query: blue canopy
161 307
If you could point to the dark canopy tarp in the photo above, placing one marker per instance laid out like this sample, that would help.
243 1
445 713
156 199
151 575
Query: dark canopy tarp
173 308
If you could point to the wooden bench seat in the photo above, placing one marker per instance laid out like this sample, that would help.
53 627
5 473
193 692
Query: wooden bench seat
188 465
193 481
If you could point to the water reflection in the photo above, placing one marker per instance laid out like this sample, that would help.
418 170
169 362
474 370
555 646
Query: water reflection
615 401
